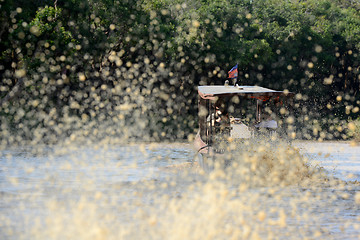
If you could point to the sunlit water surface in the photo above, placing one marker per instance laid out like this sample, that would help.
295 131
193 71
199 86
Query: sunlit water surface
153 191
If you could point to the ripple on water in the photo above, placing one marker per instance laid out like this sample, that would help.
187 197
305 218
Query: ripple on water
152 191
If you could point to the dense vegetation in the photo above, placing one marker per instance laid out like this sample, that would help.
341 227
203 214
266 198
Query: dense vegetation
88 65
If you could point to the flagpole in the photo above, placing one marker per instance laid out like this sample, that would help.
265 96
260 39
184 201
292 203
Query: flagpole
237 75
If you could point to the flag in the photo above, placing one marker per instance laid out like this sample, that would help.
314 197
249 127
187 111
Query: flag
233 73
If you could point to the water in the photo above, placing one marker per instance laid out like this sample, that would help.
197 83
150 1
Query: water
152 191
341 159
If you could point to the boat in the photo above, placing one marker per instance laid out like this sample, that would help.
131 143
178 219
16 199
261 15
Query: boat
236 114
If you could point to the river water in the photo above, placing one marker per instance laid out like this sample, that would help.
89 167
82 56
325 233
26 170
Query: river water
154 191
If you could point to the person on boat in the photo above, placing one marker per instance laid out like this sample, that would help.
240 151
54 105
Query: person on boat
214 117
267 122
222 117
266 127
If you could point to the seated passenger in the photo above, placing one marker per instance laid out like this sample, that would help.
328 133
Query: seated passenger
267 122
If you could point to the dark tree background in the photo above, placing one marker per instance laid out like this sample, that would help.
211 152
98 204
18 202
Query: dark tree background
131 68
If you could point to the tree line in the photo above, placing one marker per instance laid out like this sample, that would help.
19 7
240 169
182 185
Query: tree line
65 64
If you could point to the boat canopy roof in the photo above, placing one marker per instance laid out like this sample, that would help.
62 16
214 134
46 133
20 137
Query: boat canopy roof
213 91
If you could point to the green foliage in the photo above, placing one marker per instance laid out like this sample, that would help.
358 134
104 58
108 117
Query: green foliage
160 50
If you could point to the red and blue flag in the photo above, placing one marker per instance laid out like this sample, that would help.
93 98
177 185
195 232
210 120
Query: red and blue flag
233 73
